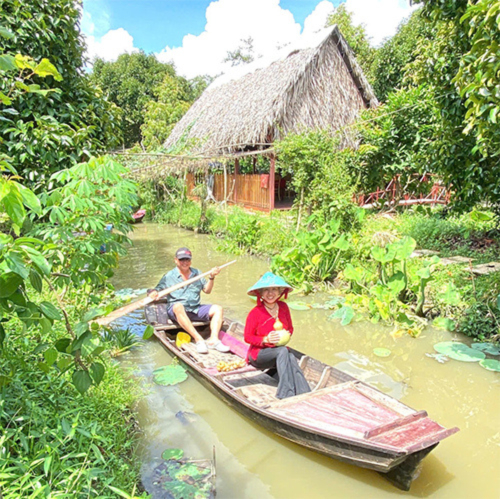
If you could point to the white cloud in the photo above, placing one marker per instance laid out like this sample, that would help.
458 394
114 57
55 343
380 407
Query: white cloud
230 21
111 45
380 17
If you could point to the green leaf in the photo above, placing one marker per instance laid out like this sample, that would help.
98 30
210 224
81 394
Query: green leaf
36 280
46 465
341 243
169 375
50 356
46 68
382 352
172 454
490 364
148 332
50 310
62 345
476 215
404 247
14 208
345 313
97 371
6 101
492 349
459 351
31 200
5 32
7 63
81 380
9 283
15 262
396 283
2 336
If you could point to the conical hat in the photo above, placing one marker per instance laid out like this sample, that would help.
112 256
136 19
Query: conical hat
269 280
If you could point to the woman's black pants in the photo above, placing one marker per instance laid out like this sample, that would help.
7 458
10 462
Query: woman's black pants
291 378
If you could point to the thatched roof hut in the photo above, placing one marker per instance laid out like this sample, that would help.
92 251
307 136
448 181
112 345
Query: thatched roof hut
321 87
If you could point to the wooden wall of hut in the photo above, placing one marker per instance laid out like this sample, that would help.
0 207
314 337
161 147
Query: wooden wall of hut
247 188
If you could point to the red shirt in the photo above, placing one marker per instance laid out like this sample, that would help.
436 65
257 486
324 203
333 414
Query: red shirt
260 323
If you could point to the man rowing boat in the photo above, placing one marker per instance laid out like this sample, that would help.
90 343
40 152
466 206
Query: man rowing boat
184 305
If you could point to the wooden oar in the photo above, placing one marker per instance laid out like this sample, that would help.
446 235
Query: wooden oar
106 320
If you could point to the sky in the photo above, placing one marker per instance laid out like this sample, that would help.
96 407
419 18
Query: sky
196 35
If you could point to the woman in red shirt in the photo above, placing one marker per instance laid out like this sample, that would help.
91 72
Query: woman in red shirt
262 335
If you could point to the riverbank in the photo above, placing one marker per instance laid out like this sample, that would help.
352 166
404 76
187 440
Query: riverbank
359 261
56 442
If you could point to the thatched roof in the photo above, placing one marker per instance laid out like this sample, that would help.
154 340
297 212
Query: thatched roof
322 87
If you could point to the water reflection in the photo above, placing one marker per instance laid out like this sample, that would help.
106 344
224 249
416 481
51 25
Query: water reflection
253 463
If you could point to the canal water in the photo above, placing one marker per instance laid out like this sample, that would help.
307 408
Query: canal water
253 463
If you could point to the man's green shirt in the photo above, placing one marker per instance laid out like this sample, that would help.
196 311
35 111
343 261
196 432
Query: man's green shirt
189 296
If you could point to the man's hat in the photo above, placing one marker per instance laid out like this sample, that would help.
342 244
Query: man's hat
269 280
183 253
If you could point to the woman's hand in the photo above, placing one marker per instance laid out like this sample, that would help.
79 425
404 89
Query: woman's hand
273 337
153 295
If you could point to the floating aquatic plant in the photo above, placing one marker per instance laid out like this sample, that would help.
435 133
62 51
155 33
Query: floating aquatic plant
382 352
490 364
487 348
459 351
172 454
170 375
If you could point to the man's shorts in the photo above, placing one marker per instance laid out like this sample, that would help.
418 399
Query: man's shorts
202 315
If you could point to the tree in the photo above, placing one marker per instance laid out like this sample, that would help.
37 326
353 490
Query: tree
43 134
244 54
161 114
356 37
130 83
459 67
396 52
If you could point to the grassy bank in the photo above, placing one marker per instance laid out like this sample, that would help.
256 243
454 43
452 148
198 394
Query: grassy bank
57 443
408 291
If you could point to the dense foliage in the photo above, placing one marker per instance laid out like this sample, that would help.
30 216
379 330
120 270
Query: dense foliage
44 133
130 83
459 67
395 53
319 174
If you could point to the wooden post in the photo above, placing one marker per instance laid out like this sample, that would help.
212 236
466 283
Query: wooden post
236 173
272 170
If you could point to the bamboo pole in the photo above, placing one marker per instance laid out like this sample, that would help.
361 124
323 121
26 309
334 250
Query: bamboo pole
138 304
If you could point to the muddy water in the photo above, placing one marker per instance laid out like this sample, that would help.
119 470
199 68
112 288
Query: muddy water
253 463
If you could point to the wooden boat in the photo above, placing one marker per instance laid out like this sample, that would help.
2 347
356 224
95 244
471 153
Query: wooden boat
341 417
138 216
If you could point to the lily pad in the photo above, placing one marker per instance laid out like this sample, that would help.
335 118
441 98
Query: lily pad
170 375
299 306
345 313
486 347
172 454
444 347
490 364
382 352
459 351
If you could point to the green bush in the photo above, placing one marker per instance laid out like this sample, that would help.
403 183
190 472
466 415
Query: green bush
57 443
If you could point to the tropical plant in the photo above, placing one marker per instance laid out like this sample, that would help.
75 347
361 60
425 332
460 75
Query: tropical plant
459 69
313 256
171 101
59 121
130 83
